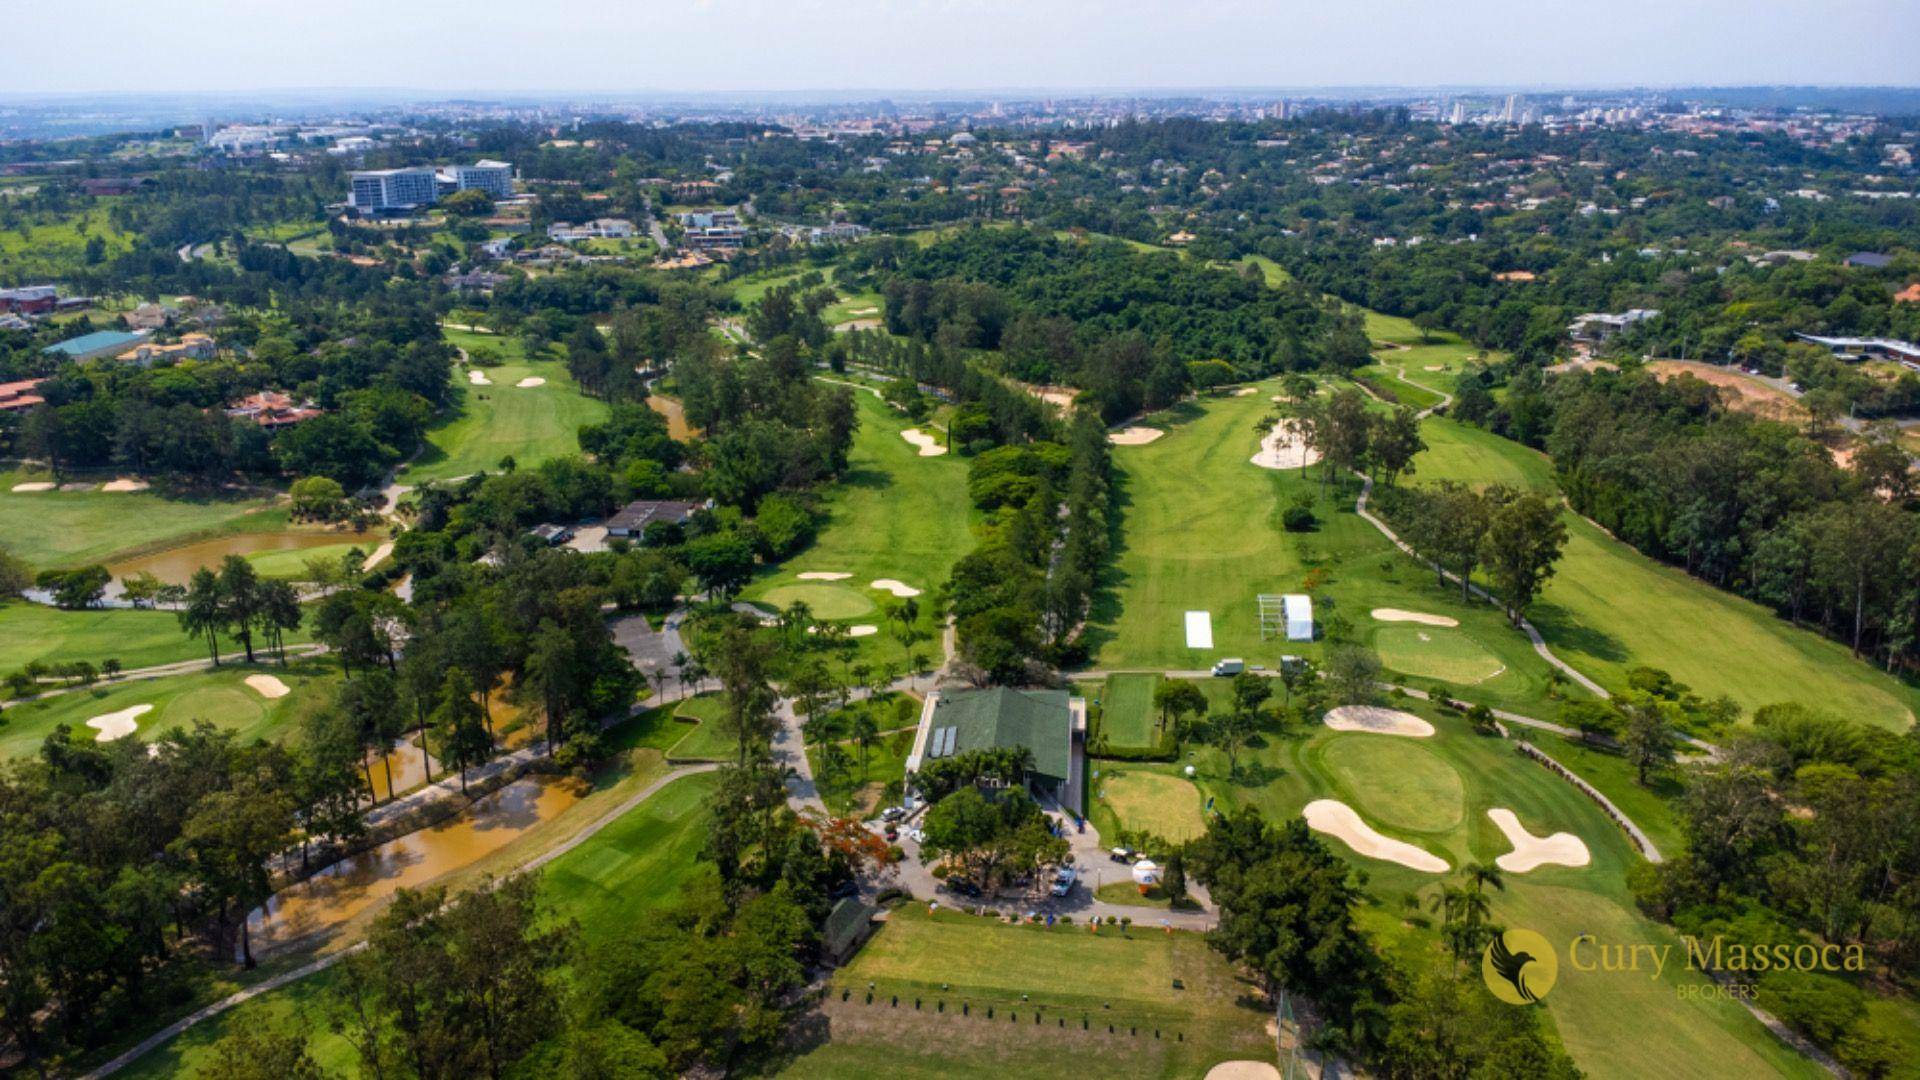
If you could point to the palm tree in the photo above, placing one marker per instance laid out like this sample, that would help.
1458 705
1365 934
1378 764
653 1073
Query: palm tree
680 662
865 730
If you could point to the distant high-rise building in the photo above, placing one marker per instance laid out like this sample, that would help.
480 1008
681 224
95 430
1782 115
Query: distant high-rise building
493 177
1513 106
386 191
1458 114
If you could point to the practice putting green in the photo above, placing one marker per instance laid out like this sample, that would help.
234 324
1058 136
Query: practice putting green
1434 652
1395 782
1127 717
825 601
1166 806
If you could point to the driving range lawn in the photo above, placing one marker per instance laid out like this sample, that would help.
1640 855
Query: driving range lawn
529 424
1127 716
1140 981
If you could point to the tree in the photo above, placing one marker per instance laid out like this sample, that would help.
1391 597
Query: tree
865 731
201 613
721 562
1353 675
1175 698
1230 732
1394 442
1523 541
991 838
1648 732
461 726
317 498
226 843
252 1052
241 601
1859 545
15 575
279 612
75 590
1597 721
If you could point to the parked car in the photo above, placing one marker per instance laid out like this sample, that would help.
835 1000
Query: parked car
1063 880
1122 855
893 813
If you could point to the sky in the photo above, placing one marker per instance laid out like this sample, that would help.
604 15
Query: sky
920 45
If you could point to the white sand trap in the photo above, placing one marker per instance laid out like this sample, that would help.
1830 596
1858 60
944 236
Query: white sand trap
1338 820
1246 391
1435 367
863 311
898 588
824 575
1135 436
929 446
268 686
118 725
1199 630
1284 449
1377 720
862 630
125 484
530 382
1243 1070
37 485
478 377
1530 851
1394 614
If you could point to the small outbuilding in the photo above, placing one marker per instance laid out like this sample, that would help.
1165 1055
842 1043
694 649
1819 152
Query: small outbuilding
1299 614
848 927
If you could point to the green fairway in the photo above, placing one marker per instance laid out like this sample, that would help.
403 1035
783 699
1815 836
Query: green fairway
1127 717
529 424
221 697
1165 805
135 638
1140 982
1433 652
894 515
291 564
74 528
1614 1025
1394 781
1609 609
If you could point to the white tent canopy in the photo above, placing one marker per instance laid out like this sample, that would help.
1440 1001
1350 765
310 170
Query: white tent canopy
1146 872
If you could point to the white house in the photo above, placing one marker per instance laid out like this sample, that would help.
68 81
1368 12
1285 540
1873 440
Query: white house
1299 612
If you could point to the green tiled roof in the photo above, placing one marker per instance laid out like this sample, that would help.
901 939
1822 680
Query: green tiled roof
845 923
1039 720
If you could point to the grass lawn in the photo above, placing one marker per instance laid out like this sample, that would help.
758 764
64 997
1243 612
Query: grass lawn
859 792
135 638
292 563
894 515
1127 717
74 528
221 697
703 741
530 424
1145 800
1064 975
1609 609
51 245
1614 1024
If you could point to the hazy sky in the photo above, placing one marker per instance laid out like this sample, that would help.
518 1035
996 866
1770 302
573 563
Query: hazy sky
762 45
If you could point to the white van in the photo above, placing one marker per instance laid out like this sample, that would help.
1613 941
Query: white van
1229 667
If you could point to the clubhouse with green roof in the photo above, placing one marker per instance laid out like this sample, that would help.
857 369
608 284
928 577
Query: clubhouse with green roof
1051 724
99 343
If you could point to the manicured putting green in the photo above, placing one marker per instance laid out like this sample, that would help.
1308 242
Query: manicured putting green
1166 806
1395 782
1435 652
1126 710
826 601
227 706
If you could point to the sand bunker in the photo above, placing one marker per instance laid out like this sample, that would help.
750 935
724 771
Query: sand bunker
929 446
530 382
268 686
1338 820
863 630
1283 448
125 484
1134 436
1243 1070
1394 614
1530 851
898 588
864 311
118 725
478 378
1435 367
1377 720
37 485
824 575
1246 391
